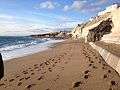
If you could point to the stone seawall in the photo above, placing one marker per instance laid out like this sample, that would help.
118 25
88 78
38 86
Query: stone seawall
112 60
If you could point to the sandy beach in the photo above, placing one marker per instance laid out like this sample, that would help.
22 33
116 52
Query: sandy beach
69 65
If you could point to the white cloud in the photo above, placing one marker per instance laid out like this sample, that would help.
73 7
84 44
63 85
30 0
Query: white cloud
76 5
85 6
10 25
47 5
15 25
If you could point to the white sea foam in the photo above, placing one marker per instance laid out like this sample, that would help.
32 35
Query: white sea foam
24 51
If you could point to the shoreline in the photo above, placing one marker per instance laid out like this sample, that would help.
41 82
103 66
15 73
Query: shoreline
68 65
18 53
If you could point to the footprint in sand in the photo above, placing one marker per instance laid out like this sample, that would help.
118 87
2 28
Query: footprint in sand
103 67
59 59
26 78
104 64
47 63
21 79
86 76
29 68
53 59
94 67
17 76
30 86
87 56
50 69
25 72
86 72
96 57
99 62
55 62
113 83
53 65
105 76
76 84
35 64
49 58
90 64
19 84
41 64
2 84
62 68
40 78
109 71
36 67
44 72
32 73
11 80
57 77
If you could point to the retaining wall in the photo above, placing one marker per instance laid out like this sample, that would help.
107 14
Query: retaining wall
112 60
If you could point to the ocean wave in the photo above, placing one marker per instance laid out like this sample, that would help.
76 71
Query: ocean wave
20 44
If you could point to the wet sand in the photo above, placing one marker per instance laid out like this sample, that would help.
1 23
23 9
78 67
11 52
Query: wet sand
70 65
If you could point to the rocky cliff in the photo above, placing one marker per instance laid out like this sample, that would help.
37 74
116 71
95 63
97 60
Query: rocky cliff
97 32
106 28
103 27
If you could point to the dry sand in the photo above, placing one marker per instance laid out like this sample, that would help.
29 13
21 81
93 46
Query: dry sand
70 65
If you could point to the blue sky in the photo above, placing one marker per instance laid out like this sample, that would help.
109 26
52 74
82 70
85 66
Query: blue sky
23 17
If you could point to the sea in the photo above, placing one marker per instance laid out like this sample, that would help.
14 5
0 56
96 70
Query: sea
19 46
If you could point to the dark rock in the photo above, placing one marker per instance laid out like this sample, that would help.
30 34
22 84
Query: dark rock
1 67
97 33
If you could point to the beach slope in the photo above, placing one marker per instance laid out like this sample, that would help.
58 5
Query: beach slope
70 65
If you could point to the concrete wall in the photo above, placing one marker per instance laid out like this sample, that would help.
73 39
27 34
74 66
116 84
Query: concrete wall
111 59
